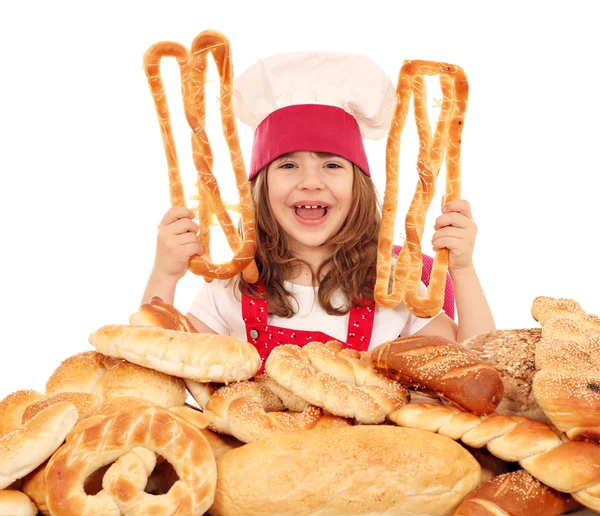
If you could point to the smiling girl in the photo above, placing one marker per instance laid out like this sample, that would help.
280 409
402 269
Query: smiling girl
318 217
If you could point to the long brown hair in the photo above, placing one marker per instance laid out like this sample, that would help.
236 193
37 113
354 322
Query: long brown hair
351 266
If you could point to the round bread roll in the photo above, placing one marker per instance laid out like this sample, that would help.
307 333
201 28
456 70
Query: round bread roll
86 404
79 373
352 470
512 353
132 380
15 503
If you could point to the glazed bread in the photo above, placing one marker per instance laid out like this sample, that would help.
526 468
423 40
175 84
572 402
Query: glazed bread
440 365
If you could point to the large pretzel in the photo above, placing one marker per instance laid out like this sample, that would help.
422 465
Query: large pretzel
446 140
192 66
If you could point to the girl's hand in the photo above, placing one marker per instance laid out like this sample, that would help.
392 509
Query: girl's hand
176 243
456 231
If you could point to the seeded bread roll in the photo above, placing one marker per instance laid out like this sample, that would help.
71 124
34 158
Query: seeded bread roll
512 353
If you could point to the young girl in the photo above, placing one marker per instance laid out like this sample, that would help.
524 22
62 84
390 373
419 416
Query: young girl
318 217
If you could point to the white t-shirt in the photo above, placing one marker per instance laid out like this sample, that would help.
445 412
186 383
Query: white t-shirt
217 307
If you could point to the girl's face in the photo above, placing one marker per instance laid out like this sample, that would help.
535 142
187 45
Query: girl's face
310 196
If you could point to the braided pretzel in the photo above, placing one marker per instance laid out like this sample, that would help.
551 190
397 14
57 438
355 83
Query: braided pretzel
338 380
192 66
570 467
567 385
447 138
157 431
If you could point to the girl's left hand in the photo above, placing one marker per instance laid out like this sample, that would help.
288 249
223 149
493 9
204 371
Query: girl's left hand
456 231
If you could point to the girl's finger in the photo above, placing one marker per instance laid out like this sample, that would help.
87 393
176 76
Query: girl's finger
176 213
458 206
456 219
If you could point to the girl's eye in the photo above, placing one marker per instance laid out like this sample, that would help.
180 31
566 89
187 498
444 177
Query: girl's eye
333 165
287 165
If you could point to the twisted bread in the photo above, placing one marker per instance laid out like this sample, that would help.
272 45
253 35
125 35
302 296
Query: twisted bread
12 408
441 365
86 404
155 429
192 67
202 357
567 386
406 275
249 412
24 449
515 494
336 379
569 467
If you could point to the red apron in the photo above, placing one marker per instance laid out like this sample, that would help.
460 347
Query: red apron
265 337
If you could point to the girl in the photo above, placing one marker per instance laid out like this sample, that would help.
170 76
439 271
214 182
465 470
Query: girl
318 217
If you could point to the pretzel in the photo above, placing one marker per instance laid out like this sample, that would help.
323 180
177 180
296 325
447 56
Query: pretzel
567 384
249 411
338 380
132 438
192 66
406 275
567 466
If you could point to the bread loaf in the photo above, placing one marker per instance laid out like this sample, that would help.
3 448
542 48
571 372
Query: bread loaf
354 470
441 365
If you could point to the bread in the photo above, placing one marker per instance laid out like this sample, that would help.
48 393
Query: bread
24 449
569 467
513 354
86 404
161 314
567 385
12 408
445 143
355 470
441 365
203 357
132 380
15 503
79 373
154 430
515 494
339 380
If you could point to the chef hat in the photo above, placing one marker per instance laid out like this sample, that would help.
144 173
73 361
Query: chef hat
314 101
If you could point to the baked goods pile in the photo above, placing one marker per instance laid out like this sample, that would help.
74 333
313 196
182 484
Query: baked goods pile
326 431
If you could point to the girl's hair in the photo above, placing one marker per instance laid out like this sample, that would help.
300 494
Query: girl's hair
353 261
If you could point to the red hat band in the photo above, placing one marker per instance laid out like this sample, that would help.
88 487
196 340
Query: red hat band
309 127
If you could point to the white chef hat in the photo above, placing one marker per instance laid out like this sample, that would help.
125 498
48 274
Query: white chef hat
315 101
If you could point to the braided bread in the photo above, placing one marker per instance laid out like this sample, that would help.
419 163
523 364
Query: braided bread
406 275
338 380
567 466
567 385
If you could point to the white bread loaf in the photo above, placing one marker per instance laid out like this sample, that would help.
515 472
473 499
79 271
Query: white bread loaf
364 469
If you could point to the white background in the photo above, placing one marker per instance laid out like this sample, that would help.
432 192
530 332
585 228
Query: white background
83 180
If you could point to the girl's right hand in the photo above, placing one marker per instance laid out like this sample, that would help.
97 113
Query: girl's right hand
176 243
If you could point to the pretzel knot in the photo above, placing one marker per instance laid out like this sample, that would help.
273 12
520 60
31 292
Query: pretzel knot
446 141
192 66
131 440
338 380
534 445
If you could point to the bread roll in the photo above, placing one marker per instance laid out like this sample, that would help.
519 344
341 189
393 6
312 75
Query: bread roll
15 503
513 355
364 469
12 408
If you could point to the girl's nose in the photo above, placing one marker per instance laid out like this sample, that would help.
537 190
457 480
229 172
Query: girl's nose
311 178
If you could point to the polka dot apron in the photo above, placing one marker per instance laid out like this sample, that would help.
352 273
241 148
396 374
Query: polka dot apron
265 337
